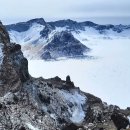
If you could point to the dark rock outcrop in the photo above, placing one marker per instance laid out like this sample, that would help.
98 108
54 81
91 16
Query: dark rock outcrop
71 127
120 120
14 67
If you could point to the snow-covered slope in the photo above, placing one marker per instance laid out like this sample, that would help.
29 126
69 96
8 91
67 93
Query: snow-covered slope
32 35
35 34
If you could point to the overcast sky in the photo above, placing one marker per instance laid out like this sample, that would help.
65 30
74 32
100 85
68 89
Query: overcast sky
22 10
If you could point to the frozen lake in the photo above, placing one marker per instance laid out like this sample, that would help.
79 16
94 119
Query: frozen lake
107 77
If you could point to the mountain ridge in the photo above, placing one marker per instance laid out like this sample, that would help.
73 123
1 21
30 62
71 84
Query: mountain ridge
35 34
63 23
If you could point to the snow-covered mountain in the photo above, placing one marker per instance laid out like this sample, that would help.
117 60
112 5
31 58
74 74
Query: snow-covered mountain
28 103
67 38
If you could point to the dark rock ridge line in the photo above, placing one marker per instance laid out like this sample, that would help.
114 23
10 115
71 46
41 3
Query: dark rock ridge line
27 103
70 24
24 26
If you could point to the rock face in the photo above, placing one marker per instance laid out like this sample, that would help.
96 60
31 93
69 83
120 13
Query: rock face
63 44
119 120
13 66
27 103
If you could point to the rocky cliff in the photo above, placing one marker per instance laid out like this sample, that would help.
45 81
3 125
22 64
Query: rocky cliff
27 103
13 66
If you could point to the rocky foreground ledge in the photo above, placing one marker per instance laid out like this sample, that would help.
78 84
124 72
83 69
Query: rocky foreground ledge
27 103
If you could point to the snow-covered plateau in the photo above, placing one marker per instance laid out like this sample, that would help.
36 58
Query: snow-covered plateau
106 76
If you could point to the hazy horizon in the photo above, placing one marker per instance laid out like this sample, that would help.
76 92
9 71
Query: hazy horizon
98 11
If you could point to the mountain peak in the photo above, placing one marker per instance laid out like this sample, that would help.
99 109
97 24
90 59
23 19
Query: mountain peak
64 44
24 26
68 23
88 23
37 20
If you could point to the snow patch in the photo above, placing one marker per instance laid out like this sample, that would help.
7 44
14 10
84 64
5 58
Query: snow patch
60 29
1 53
53 116
31 127
77 100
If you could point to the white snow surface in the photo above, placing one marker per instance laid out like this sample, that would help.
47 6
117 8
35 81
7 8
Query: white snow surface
77 100
1 53
107 76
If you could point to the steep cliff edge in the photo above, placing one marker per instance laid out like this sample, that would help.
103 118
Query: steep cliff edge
27 103
13 66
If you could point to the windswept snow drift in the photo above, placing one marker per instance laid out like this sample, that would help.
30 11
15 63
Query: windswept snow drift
77 101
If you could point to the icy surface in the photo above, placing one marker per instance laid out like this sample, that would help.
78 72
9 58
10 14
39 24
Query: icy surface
1 53
77 100
106 77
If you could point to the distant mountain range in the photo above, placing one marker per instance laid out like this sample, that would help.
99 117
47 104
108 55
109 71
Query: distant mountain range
60 39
